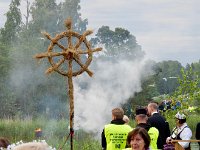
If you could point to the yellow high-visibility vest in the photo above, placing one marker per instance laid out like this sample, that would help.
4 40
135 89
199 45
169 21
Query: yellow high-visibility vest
153 133
116 136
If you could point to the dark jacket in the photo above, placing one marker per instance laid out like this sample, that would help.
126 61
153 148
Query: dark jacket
197 135
103 138
144 125
159 122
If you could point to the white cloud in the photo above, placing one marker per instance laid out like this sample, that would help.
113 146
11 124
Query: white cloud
162 28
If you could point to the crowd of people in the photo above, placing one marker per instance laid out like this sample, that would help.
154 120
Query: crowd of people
152 131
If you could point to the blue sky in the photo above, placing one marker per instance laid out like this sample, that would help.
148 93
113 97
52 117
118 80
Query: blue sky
166 29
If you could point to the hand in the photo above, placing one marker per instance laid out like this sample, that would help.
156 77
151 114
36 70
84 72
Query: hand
168 140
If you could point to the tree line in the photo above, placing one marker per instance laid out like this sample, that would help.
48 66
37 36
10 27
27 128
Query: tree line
26 92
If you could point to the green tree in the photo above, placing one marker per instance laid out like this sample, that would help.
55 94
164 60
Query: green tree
195 67
163 80
32 92
118 43
47 21
187 94
8 34
12 24
71 8
167 78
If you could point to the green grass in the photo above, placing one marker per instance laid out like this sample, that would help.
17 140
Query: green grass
56 131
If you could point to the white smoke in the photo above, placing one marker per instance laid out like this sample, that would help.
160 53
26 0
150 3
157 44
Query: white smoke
112 84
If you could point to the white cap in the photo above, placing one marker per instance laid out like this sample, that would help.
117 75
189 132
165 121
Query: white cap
180 116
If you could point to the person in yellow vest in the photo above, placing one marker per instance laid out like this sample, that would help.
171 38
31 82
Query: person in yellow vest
114 135
138 139
141 120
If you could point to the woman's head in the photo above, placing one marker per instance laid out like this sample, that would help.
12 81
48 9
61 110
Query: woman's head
138 139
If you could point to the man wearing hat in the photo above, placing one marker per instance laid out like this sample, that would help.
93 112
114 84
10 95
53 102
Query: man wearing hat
141 119
181 131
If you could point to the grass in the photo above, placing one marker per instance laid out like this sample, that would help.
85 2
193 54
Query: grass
56 131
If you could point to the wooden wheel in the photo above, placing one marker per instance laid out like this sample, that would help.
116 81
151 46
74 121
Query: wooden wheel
75 50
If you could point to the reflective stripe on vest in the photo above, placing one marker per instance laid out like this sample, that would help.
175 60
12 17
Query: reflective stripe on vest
116 136
127 149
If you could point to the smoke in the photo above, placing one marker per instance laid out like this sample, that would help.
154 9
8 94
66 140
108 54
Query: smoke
112 84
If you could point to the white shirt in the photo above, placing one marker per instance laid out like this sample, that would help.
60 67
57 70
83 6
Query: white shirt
186 134
155 112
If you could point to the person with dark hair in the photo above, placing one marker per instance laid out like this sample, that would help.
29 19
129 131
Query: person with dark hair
141 120
181 131
158 121
114 135
197 135
4 142
138 139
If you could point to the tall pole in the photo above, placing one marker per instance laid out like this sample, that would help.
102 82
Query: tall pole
71 98
70 53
